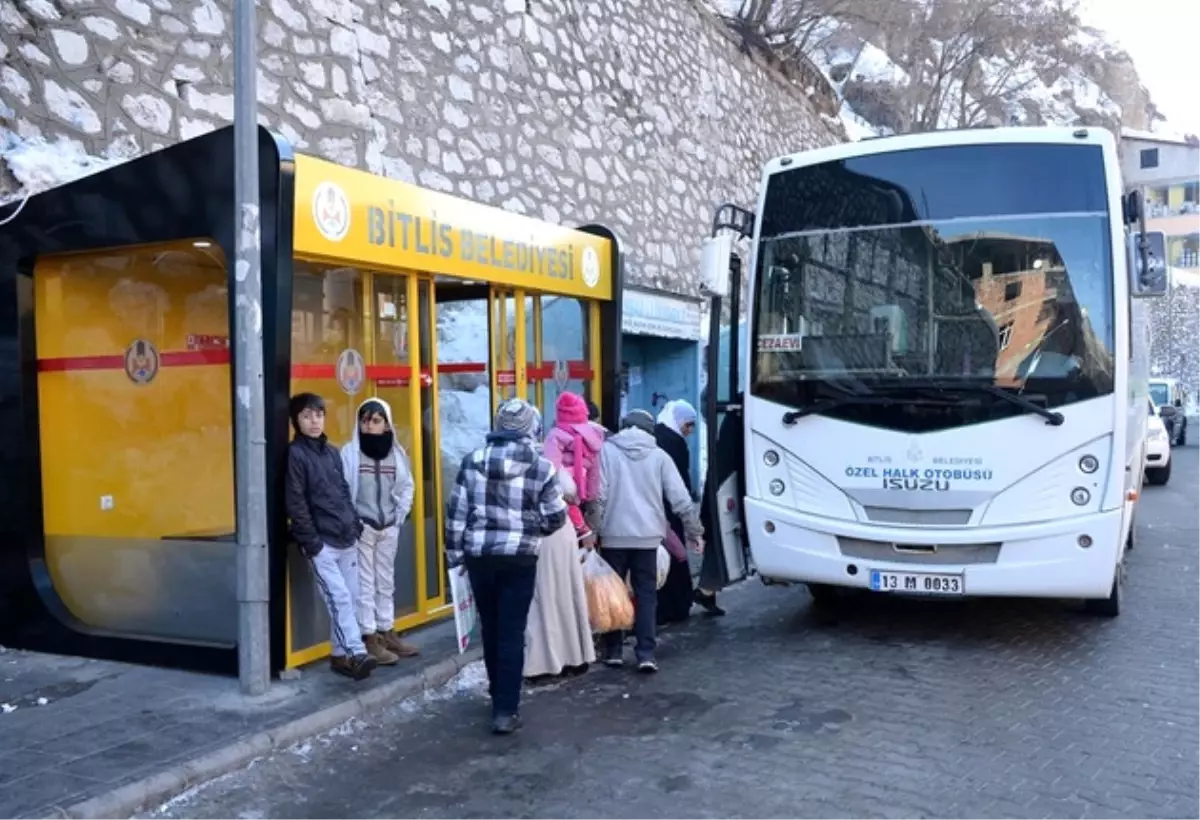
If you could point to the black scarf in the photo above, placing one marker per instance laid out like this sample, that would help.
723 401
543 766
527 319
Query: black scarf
376 445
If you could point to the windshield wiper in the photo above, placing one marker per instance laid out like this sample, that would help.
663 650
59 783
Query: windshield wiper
1053 418
793 416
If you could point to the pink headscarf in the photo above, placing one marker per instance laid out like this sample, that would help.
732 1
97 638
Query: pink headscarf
570 411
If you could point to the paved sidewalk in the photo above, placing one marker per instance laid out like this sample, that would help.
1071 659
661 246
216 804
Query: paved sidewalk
82 728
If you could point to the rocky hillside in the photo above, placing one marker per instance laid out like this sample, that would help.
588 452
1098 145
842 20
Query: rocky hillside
918 65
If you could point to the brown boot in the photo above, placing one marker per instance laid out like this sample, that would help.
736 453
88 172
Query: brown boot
378 650
398 645
357 667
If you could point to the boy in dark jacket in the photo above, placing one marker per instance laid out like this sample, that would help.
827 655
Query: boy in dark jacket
326 527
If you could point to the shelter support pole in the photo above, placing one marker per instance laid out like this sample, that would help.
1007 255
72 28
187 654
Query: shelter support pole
254 664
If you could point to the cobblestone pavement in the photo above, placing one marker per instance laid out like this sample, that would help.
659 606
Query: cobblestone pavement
900 709
74 728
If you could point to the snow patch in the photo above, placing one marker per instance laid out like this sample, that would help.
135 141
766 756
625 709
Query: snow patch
1185 276
472 680
39 165
856 127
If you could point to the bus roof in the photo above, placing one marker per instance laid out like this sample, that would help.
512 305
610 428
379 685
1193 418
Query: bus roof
939 139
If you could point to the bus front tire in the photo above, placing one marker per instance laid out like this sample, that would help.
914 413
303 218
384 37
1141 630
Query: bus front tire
823 595
1159 476
1109 607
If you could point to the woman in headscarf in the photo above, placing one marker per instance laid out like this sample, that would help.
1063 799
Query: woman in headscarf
558 637
676 422
573 446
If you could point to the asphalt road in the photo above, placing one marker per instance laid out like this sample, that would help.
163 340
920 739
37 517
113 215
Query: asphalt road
902 708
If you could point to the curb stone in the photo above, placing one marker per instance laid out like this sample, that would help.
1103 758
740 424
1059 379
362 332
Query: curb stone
161 787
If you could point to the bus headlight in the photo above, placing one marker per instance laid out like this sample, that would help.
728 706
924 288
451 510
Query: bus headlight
776 487
1080 496
1089 464
770 458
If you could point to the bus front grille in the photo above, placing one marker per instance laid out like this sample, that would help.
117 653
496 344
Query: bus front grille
898 553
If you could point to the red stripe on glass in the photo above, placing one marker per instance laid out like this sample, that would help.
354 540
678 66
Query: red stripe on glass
170 358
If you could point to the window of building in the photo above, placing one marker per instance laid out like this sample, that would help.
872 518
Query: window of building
1006 335
1149 157
1012 290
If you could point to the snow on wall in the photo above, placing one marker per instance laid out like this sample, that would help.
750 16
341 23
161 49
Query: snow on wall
37 164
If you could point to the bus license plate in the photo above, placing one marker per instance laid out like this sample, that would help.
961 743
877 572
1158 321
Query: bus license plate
917 583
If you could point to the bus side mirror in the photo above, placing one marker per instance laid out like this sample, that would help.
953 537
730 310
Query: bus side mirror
714 264
1131 208
1146 261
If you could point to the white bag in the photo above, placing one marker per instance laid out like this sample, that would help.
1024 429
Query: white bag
664 565
465 616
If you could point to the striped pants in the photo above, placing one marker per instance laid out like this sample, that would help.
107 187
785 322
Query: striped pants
336 572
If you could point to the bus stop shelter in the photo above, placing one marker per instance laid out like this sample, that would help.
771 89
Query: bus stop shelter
116 395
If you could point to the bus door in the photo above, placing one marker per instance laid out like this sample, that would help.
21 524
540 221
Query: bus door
724 484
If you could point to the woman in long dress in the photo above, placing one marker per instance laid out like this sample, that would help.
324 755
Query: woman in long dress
675 423
558 636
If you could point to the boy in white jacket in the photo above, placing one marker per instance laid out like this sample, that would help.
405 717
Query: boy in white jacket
381 488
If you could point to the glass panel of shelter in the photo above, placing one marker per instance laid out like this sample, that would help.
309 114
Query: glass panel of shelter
348 347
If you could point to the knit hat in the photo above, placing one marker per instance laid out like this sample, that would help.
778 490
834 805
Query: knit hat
519 417
570 409
639 419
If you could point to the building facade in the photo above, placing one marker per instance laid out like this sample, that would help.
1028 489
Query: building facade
1167 169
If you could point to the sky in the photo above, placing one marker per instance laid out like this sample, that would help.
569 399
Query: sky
1161 37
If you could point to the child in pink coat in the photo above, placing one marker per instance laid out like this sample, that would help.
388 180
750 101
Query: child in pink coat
573 445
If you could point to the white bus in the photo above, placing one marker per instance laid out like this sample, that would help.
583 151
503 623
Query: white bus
945 377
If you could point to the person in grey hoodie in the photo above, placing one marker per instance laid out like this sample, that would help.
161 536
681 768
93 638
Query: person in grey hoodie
635 479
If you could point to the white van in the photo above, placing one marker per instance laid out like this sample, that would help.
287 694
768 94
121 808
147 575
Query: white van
1170 399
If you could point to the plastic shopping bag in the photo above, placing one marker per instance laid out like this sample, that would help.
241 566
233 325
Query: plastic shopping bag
609 605
465 616
663 559
675 546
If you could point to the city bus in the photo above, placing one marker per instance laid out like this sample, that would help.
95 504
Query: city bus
943 389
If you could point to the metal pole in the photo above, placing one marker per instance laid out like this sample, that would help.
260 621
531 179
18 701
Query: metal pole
254 665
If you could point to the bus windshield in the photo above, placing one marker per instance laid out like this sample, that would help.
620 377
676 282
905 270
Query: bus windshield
949 275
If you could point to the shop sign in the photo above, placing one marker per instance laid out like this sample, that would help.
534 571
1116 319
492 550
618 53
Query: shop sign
655 314
780 342
348 216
